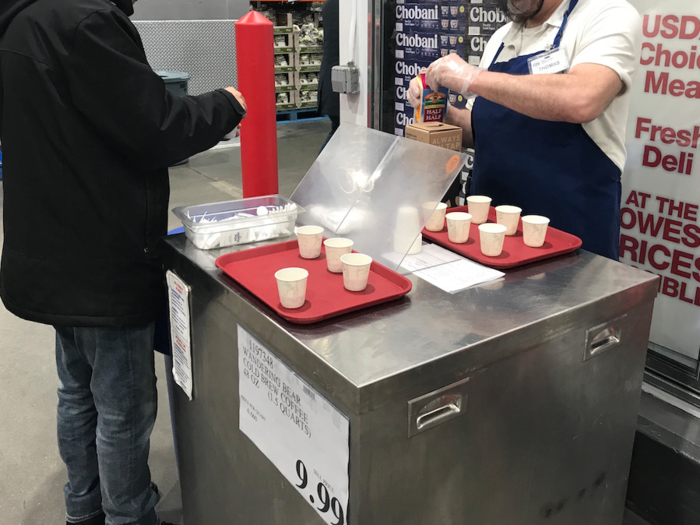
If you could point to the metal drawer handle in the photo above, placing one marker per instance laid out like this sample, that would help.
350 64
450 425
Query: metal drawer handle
604 341
437 407
435 416
603 338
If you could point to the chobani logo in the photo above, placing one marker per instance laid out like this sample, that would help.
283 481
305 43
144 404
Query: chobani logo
403 120
477 44
417 41
492 16
412 70
400 93
417 12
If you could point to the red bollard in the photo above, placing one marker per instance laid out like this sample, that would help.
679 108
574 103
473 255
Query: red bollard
255 62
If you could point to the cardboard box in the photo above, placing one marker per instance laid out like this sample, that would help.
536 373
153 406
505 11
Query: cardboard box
285 24
285 82
291 104
436 133
290 67
284 43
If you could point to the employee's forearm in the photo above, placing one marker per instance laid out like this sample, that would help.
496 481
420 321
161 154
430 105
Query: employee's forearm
562 98
463 119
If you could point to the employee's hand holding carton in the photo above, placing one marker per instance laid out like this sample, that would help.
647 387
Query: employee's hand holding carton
452 72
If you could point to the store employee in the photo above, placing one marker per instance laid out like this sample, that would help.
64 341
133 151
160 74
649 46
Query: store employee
548 124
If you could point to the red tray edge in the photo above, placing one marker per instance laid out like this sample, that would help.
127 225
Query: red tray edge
404 283
577 243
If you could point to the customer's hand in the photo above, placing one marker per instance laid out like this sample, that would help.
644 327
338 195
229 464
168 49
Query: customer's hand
453 73
238 96
415 91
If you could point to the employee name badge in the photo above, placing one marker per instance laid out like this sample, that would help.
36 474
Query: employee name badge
550 62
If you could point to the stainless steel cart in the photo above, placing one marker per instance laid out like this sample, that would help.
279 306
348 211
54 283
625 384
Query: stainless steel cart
512 403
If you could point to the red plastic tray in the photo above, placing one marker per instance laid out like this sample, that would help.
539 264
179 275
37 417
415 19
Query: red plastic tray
326 296
515 253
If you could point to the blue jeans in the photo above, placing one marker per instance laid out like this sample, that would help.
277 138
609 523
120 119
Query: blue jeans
107 405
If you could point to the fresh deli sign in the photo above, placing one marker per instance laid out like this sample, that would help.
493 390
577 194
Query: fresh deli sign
661 183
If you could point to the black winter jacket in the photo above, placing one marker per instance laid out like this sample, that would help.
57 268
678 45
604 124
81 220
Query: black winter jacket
88 131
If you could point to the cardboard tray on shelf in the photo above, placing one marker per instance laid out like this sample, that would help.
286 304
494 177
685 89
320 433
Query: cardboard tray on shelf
326 297
515 253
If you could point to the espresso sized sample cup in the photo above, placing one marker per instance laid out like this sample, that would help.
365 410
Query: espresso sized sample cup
434 216
356 268
535 230
310 238
291 285
479 207
492 238
508 216
458 226
335 249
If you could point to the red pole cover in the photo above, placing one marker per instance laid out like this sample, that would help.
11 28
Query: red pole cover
255 61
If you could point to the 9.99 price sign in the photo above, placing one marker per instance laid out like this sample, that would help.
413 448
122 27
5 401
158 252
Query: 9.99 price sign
322 499
304 436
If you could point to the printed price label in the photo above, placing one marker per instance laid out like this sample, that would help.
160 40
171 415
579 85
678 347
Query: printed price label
304 436
180 332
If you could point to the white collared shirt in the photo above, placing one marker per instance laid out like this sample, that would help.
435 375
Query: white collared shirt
604 32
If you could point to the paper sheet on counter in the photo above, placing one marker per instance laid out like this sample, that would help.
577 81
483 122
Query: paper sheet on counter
430 255
459 275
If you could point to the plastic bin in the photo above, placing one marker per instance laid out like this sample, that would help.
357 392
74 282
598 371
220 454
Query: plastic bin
220 224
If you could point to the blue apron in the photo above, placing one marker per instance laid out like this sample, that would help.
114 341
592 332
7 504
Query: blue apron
547 168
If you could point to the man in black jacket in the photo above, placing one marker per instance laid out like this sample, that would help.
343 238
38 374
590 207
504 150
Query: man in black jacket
88 131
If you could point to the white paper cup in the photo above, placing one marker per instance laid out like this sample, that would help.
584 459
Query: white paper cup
310 238
458 226
508 216
479 207
434 216
291 284
535 230
356 271
492 237
335 249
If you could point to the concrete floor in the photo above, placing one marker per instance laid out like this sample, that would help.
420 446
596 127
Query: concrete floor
31 472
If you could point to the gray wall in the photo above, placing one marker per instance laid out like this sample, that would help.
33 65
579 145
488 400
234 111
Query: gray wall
190 9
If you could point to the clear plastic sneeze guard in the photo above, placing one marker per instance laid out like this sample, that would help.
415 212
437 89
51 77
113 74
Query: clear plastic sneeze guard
230 223
371 187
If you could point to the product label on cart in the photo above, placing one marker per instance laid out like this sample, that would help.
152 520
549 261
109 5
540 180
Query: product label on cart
180 332
304 436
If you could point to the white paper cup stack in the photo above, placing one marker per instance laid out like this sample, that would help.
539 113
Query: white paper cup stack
291 285
479 207
335 249
535 230
492 237
407 237
509 216
356 268
458 226
310 238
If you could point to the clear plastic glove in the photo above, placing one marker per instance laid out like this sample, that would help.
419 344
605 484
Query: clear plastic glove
452 72
415 91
